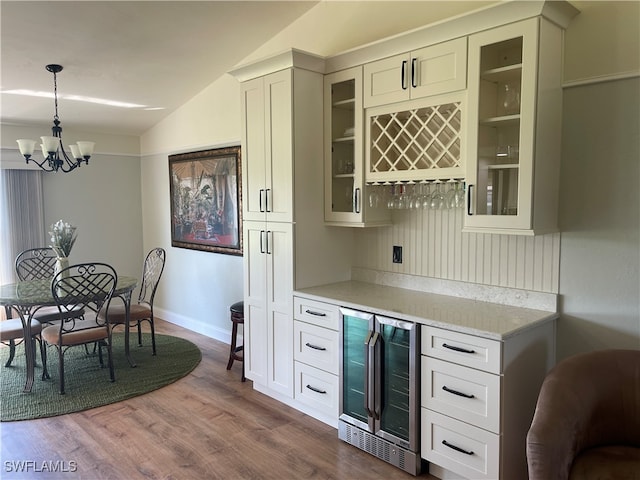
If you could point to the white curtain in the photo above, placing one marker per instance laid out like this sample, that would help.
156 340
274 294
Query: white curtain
21 217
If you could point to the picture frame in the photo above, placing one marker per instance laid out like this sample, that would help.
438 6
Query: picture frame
205 190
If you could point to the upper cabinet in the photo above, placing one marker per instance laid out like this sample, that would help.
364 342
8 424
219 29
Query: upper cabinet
513 128
347 199
428 71
267 142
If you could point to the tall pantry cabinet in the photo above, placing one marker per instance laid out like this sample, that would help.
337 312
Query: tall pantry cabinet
286 244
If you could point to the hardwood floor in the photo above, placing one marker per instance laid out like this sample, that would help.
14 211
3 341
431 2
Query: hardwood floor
207 425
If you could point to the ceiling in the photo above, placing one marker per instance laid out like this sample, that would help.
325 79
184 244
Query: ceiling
155 54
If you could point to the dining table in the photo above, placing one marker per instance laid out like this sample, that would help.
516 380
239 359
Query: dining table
29 296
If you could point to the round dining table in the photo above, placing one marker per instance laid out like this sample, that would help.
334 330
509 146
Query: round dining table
28 296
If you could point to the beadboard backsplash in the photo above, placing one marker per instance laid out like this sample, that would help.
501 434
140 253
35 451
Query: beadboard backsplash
433 245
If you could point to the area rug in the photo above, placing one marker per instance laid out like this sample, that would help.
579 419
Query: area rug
86 384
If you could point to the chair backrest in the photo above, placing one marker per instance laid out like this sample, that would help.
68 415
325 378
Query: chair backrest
36 264
151 273
87 286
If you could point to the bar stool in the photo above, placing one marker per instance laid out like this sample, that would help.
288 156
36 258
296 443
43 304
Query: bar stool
237 317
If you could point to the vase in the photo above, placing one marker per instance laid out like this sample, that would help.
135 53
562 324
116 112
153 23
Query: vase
61 264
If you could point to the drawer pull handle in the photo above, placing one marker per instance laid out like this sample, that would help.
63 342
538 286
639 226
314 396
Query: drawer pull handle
317 390
317 314
455 392
457 349
457 449
315 347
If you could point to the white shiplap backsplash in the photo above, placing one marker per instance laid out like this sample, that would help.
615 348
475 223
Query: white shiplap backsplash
433 245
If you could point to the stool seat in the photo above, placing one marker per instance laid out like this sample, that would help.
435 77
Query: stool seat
237 318
237 307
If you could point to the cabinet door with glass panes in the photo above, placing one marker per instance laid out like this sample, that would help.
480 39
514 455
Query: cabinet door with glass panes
510 128
348 201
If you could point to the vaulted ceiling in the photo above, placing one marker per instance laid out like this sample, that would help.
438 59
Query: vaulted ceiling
153 54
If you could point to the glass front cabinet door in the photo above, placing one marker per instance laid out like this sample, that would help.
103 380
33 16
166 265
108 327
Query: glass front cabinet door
514 121
348 201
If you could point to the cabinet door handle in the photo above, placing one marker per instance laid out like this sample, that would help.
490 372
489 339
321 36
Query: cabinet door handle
413 73
261 241
317 314
457 349
455 392
268 252
403 75
356 200
457 449
469 200
315 347
266 200
317 390
261 206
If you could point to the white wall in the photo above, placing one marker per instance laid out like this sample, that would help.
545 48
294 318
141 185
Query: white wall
601 41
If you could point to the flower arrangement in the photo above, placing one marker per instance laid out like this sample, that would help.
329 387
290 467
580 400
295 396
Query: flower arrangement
63 236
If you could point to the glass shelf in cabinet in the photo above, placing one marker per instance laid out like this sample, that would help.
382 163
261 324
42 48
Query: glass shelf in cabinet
344 175
505 120
343 139
503 74
503 166
347 104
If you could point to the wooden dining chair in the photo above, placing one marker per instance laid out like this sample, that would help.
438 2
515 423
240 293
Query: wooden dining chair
143 310
86 286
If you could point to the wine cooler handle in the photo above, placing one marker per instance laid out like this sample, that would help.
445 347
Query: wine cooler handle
367 369
377 395
371 367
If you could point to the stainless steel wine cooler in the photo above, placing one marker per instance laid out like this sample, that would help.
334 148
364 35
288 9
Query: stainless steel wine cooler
379 397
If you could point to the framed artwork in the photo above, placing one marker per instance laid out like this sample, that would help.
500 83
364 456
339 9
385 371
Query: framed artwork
206 208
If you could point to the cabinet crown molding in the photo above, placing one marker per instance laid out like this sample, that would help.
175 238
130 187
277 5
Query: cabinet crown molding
287 59
559 12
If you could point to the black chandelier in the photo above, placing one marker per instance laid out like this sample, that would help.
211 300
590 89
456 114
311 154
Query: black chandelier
55 157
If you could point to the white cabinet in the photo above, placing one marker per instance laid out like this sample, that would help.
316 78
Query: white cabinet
317 357
348 201
514 126
268 284
428 71
286 244
267 142
478 397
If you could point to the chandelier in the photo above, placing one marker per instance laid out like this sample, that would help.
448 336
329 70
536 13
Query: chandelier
55 157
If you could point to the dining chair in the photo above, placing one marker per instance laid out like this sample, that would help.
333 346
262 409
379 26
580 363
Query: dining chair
12 333
39 264
36 263
86 286
143 310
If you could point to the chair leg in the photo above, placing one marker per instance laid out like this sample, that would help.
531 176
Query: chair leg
112 374
61 368
12 352
153 336
234 333
139 333
43 356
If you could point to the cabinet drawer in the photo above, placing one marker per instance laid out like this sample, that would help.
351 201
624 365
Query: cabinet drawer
463 349
462 393
317 389
460 447
316 346
318 313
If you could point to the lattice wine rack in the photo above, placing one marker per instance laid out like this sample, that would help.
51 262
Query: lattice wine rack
422 143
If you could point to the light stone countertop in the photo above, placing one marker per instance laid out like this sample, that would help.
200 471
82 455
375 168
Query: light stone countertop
484 319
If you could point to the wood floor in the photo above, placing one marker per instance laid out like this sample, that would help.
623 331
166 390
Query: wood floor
207 425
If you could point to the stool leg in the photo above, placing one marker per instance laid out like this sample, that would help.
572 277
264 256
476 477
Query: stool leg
234 334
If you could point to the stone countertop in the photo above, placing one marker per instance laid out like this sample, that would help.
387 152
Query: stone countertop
484 319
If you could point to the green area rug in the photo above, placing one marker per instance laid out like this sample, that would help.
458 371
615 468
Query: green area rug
86 384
